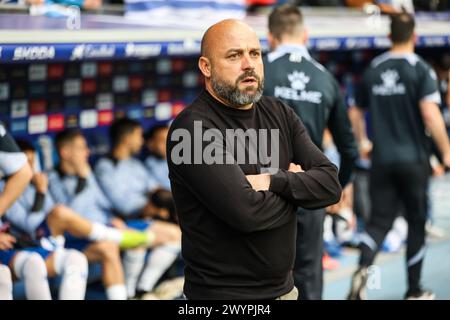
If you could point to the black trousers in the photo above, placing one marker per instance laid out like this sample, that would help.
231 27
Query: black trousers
361 199
308 270
394 187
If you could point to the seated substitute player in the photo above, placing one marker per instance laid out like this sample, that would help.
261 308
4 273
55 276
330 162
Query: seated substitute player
155 160
74 185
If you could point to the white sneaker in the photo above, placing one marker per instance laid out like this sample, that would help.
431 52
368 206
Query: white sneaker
420 295
52 243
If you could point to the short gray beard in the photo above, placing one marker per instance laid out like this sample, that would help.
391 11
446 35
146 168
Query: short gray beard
235 97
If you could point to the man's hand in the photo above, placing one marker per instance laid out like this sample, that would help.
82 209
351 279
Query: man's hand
296 168
6 241
152 211
40 181
438 171
345 202
92 4
35 2
259 182
446 160
365 149
118 223
83 170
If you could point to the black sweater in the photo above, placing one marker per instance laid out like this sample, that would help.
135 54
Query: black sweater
239 243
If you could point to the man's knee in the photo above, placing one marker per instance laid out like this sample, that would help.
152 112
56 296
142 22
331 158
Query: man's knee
108 251
28 264
59 214
166 232
5 278
175 232
70 258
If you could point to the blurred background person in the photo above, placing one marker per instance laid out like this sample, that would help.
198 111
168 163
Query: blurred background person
401 91
130 189
292 75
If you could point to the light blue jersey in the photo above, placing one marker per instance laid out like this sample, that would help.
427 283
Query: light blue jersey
21 215
126 183
158 170
88 201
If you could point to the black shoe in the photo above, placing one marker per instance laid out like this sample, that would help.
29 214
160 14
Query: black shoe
420 295
358 286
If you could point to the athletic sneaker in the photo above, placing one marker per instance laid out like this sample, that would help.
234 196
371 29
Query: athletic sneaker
358 286
420 295
52 243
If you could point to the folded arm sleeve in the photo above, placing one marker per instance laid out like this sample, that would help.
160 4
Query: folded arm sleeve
224 190
318 186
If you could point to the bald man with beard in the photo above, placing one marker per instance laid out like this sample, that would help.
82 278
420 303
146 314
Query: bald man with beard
236 203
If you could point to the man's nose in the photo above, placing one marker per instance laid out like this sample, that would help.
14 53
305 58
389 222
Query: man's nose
247 62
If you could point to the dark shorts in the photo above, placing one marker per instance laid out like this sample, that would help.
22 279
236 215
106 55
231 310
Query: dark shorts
140 225
43 230
7 255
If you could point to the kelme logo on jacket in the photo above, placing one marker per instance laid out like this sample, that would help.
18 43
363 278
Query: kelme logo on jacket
297 91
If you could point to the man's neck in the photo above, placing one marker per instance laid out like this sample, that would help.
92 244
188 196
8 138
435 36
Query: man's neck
121 152
290 42
406 48
215 96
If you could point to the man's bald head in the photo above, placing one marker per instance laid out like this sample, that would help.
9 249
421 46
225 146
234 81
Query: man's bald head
220 31
231 63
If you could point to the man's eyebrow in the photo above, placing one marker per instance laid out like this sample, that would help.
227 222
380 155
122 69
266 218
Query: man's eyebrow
240 50
234 50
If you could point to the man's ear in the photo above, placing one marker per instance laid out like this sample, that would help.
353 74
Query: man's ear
305 36
63 153
272 41
205 66
414 38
